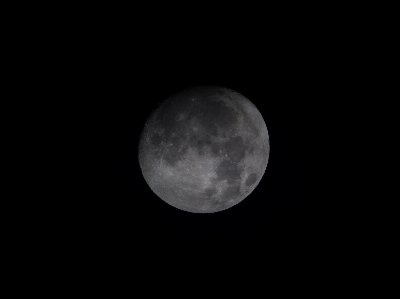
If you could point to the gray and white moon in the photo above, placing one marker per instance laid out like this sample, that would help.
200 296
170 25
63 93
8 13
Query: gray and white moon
204 149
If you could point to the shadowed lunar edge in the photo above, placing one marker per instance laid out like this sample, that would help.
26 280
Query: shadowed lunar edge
204 149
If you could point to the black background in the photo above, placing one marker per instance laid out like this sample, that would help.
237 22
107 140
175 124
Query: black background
296 74
94 73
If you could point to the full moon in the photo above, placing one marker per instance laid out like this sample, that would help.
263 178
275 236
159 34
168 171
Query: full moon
204 149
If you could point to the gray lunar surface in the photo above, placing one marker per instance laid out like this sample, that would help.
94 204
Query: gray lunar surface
204 149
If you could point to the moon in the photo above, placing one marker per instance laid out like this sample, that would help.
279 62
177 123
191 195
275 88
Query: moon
204 149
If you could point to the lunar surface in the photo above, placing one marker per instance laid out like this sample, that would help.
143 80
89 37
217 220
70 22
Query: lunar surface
204 149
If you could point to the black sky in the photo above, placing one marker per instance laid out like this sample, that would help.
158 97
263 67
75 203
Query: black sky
294 76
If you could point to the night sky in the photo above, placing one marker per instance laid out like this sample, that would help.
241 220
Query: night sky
295 79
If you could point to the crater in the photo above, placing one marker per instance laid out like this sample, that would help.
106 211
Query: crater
252 178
